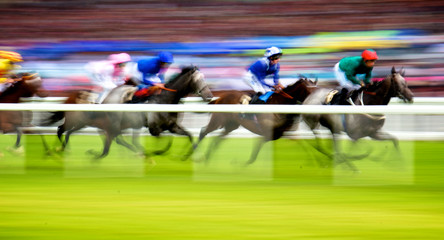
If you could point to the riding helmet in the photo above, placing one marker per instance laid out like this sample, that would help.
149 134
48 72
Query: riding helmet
369 54
165 57
12 56
272 51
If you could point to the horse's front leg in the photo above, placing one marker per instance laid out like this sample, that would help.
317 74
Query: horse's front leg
176 128
17 149
256 150
60 131
119 140
109 137
19 138
68 133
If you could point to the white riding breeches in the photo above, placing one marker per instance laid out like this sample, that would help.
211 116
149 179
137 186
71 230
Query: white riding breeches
251 80
342 79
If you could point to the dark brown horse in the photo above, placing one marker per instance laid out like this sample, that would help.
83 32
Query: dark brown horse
358 126
27 85
268 125
189 81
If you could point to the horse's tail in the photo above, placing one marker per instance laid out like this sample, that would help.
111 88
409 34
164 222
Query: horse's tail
53 118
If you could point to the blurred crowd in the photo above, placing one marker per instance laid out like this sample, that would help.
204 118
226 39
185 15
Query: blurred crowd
182 21
223 36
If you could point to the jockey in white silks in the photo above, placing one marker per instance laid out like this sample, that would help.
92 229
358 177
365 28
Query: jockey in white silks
108 74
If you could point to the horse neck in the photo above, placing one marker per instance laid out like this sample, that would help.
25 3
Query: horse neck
299 91
383 93
181 89
13 93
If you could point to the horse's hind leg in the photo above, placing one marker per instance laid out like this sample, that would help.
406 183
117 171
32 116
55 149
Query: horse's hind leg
60 131
212 126
18 149
318 146
341 158
165 149
119 140
45 145
216 142
136 140
68 133
384 136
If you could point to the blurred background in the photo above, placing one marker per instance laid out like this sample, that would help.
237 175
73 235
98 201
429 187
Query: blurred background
223 37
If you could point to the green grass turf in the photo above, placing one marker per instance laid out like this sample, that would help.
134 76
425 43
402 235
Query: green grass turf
290 192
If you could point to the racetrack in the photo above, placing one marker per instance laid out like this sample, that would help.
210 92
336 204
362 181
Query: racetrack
286 194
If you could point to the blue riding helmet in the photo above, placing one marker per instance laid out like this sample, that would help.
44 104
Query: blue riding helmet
166 57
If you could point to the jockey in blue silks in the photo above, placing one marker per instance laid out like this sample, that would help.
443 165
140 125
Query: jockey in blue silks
153 69
150 72
259 70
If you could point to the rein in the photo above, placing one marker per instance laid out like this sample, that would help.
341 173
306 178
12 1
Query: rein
284 94
157 87
369 93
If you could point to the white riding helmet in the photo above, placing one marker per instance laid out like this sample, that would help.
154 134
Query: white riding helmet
272 51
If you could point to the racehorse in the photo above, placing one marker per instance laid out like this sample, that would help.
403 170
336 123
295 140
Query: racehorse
189 81
26 85
269 126
358 126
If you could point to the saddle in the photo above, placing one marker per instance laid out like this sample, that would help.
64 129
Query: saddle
335 97
144 94
332 94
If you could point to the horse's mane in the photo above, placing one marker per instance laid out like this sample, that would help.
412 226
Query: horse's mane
375 85
13 87
185 70
294 85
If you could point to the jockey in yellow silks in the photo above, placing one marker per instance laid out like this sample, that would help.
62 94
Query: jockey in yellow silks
8 64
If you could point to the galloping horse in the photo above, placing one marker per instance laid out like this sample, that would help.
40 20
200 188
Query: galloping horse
268 125
358 126
27 85
189 81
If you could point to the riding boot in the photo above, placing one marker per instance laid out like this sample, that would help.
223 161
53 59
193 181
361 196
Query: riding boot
344 95
254 100
135 99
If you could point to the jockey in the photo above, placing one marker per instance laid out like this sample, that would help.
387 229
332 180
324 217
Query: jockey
8 64
108 74
259 70
150 72
348 69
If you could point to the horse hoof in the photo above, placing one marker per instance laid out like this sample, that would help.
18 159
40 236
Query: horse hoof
59 149
141 155
18 151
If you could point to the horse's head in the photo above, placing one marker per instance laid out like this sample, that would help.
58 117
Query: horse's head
393 85
26 85
400 85
33 83
191 81
300 89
